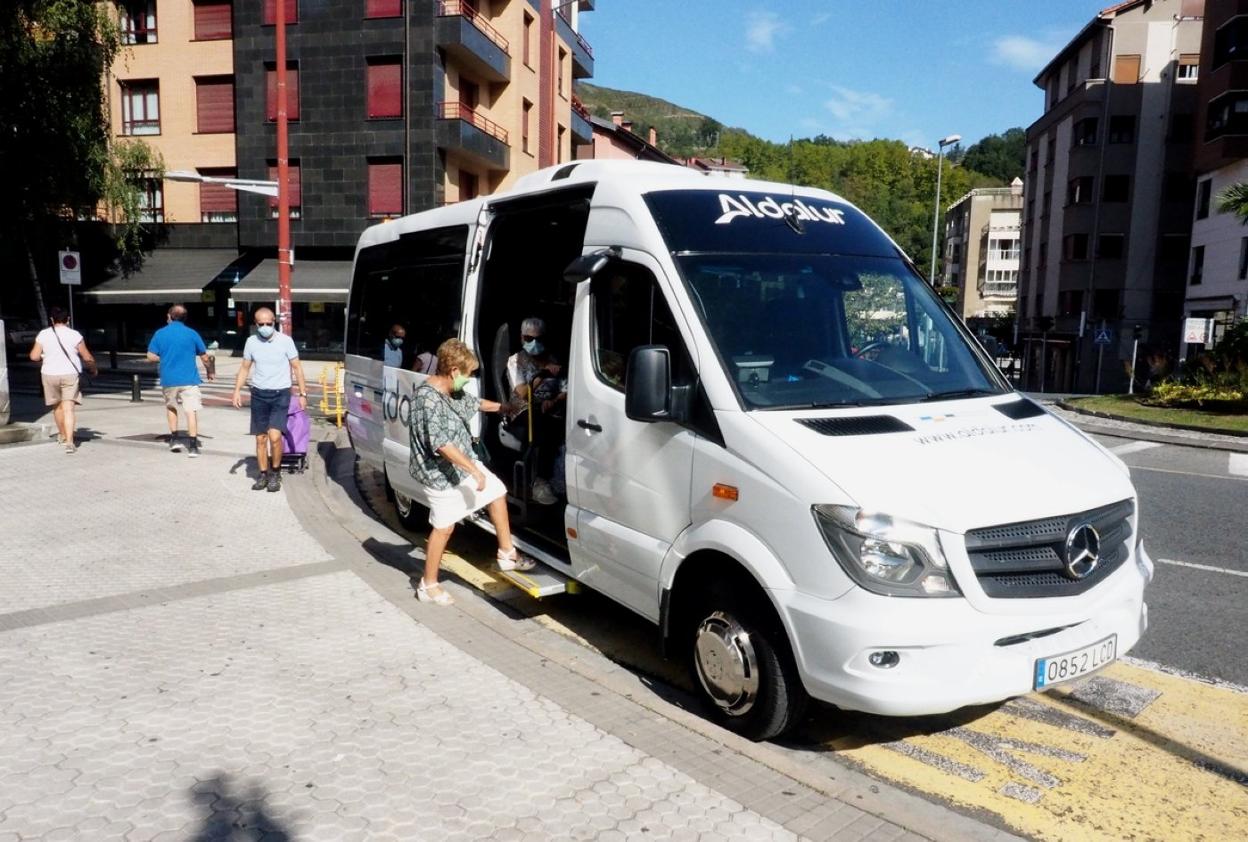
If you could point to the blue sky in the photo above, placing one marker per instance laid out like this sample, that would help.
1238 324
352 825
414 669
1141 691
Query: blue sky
915 70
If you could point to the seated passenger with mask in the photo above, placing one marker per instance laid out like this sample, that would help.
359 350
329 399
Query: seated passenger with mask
534 374
392 348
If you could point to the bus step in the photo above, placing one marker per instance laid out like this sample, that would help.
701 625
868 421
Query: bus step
540 581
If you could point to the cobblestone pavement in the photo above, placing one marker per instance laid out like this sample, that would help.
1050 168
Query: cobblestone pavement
263 693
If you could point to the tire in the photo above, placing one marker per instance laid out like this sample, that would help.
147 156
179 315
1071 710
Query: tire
412 515
743 669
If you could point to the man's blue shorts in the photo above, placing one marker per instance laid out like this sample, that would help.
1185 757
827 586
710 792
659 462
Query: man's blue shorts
268 410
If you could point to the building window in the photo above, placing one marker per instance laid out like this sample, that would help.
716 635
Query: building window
1048 204
1189 67
1105 304
1203 192
137 21
140 107
1034 160
528 40
1230 42
1110 246
1126 69
294 186
214 104
1122 128
385 88
1243 258
1069 302
270 12
1117 188
151 200
1050 152
214 20
1085 132
1042 259
383 8
469 186
469 94
292 91
1079 190
563 59
1228 114
559 134
524 128
1198 265
385 187
217 203
1075 247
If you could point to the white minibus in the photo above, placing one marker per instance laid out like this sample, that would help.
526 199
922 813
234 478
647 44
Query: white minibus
779 445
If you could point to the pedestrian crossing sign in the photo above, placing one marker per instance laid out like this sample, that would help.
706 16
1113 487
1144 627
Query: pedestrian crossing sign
1102 337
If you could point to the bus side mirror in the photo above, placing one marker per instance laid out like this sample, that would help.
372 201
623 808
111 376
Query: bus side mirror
648 387
587 265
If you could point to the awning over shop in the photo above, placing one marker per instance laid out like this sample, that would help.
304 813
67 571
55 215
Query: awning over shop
310 280
168 276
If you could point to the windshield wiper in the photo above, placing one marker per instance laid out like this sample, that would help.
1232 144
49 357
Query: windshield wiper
956 393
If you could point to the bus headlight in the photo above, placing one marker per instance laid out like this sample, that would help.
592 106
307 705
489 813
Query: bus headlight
886 555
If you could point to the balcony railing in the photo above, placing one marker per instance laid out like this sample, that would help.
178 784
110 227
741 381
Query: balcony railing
459 111
563 13
450 8
996 289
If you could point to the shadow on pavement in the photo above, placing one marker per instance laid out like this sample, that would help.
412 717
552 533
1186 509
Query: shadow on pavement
234 813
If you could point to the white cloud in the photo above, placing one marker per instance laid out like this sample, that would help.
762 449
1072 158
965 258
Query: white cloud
821 18
856 112
761 29
1023 53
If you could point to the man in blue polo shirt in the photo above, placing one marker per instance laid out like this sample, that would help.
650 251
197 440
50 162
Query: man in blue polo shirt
175 346
274 358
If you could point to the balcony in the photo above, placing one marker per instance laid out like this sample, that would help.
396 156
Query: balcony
582 53
999 290
582 128
466 132
467 37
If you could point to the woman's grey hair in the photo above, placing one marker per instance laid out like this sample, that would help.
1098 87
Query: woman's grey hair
533 326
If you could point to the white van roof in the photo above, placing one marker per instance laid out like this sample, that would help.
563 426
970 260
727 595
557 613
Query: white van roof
637 177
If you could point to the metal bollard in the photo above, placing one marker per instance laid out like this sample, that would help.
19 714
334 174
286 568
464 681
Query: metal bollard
136 394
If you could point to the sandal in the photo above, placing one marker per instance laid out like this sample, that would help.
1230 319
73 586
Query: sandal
434 593
509 560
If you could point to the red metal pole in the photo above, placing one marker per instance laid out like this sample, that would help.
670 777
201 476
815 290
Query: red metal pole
283 173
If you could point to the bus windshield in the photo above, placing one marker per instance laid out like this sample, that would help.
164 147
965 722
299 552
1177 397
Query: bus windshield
809 305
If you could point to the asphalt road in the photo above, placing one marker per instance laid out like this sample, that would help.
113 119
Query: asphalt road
1193 510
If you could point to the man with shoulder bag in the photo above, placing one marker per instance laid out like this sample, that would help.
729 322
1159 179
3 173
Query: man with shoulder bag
64 359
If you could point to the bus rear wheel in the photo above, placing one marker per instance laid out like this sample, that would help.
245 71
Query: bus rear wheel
745 671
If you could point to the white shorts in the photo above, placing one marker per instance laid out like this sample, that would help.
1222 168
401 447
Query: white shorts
449 506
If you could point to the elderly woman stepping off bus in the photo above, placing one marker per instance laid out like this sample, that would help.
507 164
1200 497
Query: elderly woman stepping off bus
456 482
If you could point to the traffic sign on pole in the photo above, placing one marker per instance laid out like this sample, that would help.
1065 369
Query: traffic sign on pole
1103 336
71 267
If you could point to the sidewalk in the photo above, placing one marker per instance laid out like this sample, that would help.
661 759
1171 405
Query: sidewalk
187 659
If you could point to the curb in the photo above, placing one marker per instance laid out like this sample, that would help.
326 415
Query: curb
335 486
1160 437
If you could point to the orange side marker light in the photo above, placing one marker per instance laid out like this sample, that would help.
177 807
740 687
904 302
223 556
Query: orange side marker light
725 492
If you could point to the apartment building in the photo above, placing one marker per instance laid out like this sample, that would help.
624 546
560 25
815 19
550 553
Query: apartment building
615 139
983 234
393 106
172 87
1108 194
1217 276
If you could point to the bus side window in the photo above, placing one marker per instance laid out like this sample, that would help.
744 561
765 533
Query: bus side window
630 311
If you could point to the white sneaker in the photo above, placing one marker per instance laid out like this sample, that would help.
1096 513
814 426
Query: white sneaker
542 493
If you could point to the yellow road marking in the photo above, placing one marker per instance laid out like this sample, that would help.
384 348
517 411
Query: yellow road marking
1053 766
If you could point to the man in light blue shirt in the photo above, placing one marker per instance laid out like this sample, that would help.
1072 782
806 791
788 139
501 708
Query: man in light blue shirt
274 357
175 346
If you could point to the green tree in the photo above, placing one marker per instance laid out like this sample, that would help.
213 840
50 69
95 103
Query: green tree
1234 199
54 137
1001 156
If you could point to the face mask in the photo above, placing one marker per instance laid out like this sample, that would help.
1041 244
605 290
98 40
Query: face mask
265 331
534 347
396 341
459 381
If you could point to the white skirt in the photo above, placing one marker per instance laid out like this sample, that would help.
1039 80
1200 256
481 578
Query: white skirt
448 506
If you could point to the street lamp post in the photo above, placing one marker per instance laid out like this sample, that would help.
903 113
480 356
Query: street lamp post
940 159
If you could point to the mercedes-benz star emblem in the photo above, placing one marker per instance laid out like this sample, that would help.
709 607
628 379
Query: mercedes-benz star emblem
1083 551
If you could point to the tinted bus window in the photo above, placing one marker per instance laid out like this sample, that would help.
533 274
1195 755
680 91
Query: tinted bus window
415 281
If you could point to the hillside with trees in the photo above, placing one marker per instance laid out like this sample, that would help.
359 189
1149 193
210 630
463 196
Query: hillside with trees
895 186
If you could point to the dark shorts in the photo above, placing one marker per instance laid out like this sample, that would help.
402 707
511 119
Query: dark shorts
268 410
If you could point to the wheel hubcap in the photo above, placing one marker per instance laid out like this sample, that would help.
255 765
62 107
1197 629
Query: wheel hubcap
726 663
